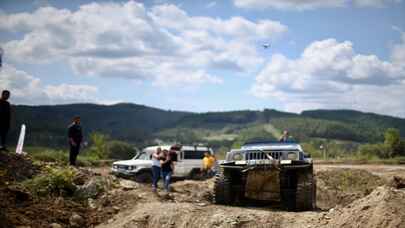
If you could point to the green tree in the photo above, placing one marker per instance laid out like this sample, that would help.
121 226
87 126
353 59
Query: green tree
99 147
392 140
120 150
375 150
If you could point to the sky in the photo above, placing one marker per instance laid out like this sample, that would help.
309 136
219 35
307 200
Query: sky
207 55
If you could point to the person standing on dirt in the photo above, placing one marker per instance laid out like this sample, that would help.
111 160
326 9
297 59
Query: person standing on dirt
75 139
4 118
213 161
208 163
167 165
156 170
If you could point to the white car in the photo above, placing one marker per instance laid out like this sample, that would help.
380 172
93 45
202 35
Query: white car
189 163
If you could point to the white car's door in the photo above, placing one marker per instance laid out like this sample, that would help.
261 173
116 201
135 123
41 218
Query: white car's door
179 170
192 160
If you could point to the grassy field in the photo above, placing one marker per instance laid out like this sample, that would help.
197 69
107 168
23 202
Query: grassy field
61 156
354 160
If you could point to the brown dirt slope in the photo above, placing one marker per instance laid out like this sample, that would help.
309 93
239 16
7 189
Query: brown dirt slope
384 207
343 186
14 167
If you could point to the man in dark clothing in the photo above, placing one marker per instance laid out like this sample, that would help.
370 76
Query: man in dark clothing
167 167
4 118
75 139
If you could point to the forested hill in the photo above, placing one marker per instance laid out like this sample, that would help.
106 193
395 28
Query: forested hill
46 125
330 124
362 118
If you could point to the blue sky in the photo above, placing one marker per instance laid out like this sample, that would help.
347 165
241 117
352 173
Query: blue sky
207 55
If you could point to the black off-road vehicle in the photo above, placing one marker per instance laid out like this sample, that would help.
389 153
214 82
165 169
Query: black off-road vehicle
267 172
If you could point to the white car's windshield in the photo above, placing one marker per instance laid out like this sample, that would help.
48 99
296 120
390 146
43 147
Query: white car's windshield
142 156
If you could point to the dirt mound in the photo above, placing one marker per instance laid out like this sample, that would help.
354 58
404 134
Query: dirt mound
193 191
384 207
343 186
15 167
38 212
22 205
186 215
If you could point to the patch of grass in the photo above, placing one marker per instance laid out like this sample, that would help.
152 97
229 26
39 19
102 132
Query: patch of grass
62 157
49 155
220 137
360 159
52 182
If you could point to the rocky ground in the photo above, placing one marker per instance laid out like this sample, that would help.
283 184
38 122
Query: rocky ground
348 196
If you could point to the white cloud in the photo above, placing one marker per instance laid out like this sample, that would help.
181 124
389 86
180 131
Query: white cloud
309 4
128 40
68 92
27 89
22 85
398 51
211 4
329 74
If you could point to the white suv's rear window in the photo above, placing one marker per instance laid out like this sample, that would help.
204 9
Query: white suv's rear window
194 154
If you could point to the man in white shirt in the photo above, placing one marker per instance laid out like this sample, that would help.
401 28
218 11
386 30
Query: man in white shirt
156 170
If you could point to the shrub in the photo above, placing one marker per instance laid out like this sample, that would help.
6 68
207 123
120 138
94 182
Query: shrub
379 150
55 182
98 146
120 150
392 141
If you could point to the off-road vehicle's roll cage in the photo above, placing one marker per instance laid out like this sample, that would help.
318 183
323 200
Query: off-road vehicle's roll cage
267 171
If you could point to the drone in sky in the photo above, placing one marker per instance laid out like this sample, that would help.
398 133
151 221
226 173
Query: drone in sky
266 45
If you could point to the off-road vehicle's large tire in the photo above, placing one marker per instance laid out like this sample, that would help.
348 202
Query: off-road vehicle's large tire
288 189
223 193
306 191
298 189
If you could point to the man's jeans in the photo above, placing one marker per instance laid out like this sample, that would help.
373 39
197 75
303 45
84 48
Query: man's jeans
155 176
74 151
167 176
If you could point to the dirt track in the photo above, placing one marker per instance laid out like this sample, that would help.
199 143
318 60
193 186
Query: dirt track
348 196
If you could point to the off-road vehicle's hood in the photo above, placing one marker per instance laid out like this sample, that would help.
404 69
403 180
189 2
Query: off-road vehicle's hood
134 162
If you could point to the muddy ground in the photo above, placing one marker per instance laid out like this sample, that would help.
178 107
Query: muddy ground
347 196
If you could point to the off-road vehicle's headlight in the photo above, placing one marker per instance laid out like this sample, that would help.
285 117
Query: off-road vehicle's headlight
115 166
237 157
292 156
131 167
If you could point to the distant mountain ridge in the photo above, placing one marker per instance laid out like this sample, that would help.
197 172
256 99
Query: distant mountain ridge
46 125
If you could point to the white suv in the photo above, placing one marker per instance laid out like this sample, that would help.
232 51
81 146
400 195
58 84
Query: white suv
189 163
